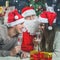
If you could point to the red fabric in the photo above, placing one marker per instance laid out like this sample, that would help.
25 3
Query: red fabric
43 14
10 17
15 11
49 15
27 43
17 14
26 9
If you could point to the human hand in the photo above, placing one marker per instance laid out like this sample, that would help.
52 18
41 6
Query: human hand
35 41
25 55
15 50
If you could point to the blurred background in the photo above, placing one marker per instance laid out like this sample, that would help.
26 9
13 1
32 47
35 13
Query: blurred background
38 5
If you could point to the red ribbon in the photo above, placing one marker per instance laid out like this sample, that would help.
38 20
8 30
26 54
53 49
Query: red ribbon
39 56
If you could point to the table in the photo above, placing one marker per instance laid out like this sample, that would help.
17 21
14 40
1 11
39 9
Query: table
13 58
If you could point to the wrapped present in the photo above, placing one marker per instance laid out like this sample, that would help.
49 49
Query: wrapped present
35 55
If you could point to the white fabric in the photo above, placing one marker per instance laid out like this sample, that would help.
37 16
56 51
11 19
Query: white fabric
45 20
56 46
13 58
25 59
31 26
50 28
16 22
9 58
29 13
16 17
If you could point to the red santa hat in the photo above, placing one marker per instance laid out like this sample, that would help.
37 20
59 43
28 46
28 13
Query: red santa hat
28 11
48 17
14 18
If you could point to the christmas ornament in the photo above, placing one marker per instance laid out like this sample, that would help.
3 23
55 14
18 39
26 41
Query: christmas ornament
37 4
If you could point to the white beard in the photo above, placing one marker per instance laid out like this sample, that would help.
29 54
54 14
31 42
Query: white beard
31 26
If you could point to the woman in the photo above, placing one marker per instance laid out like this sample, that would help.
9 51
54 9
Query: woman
50 38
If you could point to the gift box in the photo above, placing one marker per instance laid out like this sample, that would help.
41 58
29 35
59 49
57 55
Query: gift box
39 55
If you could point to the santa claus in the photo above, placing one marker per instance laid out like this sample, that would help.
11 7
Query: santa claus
31 26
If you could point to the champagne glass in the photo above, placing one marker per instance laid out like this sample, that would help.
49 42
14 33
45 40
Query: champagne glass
38 40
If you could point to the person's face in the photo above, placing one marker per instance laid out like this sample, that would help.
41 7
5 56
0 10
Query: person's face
31 24
19 27
42 26
32 17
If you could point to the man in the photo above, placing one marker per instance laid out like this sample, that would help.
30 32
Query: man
9 33
31 26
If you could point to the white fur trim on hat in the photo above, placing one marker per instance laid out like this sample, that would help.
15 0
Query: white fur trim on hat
50 28
16 17
45 20
28 13
16 22
54 20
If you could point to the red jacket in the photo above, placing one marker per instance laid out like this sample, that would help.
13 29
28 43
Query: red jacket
27 42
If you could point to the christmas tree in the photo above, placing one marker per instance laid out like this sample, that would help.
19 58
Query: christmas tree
38 5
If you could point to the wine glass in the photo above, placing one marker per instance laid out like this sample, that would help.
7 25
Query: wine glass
38 40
